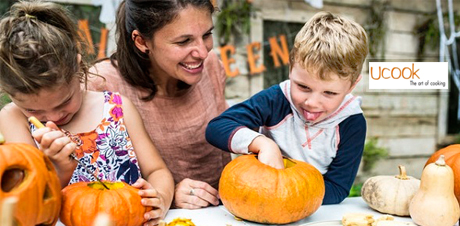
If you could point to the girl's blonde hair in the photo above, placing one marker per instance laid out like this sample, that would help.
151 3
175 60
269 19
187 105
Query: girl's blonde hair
39 47
329 43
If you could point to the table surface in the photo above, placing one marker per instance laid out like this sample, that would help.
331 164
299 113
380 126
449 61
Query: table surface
219 215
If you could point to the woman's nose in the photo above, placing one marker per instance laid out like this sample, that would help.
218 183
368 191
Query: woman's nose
200 50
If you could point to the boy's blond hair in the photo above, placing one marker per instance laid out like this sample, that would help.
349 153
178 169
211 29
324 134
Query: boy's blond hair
329 43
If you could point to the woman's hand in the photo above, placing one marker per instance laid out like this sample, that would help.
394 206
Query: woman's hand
150 197
193 194
268 152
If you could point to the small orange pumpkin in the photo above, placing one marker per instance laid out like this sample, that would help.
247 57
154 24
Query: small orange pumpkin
452 157
82 201
26 173
257 192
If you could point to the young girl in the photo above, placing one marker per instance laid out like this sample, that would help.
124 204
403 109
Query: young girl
42 71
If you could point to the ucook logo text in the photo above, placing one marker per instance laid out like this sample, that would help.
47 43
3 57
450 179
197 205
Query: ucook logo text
408 75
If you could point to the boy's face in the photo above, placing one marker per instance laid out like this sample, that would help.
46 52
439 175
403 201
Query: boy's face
314 98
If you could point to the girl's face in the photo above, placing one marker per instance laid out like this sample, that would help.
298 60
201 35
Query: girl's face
179 49
314 98
58 105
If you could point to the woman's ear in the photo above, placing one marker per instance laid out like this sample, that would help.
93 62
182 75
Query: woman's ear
139 42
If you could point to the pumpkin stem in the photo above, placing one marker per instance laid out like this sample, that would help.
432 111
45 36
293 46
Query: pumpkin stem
441 161
2 139
402 173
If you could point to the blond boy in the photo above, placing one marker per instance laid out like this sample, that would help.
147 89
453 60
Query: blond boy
312 116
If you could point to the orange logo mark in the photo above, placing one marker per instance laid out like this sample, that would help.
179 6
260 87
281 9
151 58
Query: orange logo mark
396 73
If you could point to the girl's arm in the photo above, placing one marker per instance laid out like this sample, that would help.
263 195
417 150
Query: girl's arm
14 125
158 188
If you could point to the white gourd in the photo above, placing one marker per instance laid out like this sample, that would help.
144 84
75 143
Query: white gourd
390 194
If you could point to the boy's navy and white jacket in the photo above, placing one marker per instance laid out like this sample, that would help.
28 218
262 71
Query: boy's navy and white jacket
334 145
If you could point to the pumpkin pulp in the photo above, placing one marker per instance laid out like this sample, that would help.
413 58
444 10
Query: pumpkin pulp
288 163
110 185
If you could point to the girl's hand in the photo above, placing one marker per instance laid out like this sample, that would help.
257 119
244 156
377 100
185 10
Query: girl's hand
193 194
57 146
268 152
150 197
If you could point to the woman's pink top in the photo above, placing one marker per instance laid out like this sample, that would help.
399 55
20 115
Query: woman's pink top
177 124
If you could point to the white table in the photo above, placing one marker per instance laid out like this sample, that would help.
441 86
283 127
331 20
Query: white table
219 216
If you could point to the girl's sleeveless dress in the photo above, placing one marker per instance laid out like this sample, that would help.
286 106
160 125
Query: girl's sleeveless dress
106 151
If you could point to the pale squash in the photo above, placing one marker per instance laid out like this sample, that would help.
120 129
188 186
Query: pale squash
434 204
390 194
452 157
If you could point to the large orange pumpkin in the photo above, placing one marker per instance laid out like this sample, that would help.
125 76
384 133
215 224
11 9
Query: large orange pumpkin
257 192
81 203
26 173
452 157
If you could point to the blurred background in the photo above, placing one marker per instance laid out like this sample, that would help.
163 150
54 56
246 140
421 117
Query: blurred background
253 38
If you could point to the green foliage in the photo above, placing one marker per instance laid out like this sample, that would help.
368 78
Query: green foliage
234 18
372 154
355 190
428 32
457 139
376 28
4 99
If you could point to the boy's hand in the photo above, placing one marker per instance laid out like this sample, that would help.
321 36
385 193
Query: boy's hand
268 152
150 197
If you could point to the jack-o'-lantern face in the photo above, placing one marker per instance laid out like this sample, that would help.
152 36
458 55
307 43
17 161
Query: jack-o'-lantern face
26 173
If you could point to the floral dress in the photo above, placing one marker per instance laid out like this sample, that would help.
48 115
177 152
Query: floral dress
106 151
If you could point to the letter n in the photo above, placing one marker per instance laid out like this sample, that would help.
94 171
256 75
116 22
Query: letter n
85 34
277 51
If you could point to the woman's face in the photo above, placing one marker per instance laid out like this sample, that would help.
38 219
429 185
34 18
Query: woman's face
179 49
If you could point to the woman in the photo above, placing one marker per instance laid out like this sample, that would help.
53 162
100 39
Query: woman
165 66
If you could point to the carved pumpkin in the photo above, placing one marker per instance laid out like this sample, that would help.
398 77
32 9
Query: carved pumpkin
121 202
26 173
452 157
257 192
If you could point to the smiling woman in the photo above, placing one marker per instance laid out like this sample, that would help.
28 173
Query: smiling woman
164 64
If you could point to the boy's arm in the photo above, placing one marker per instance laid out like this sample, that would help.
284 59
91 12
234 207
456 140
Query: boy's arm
238 126
343 169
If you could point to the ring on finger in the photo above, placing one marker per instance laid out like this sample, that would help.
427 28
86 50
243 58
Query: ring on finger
192 192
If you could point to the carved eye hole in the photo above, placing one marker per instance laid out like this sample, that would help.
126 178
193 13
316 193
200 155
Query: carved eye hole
12 178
